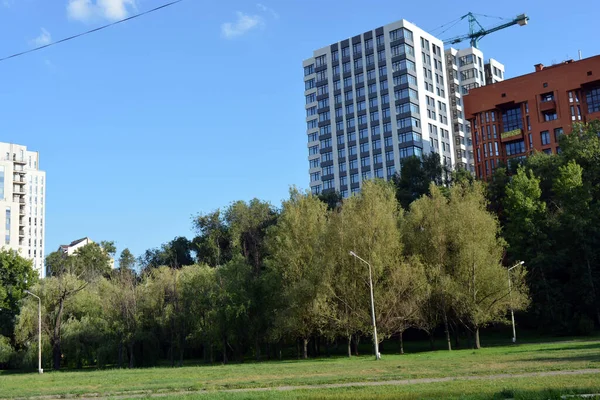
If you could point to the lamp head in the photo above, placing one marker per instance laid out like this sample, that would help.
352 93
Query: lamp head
521 262
27 291
352 254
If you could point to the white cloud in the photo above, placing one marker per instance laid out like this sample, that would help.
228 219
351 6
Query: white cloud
268 10
243 24
87 10
43 39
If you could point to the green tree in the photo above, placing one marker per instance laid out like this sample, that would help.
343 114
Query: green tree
16 276
416 175
428 237
126 261
297 247
213 243
479 286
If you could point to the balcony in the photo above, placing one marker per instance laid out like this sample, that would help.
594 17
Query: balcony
19 189
511 135
547 105
21 210
21 232
19 180
20 161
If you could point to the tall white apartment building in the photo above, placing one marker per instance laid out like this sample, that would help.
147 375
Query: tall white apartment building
373 100
22 198
466 70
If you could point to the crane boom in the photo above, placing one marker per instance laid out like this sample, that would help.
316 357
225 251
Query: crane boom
476 31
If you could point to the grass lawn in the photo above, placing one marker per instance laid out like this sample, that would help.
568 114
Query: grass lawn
572 355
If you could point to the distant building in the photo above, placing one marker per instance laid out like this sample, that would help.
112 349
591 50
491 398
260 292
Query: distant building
512 119
466 70
71 248
22 202
373 100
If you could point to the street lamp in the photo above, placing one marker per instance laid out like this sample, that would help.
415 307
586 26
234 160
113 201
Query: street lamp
377 355
40 370
512 313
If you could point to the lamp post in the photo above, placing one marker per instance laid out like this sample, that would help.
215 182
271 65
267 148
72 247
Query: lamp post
40 370
512 313
377 355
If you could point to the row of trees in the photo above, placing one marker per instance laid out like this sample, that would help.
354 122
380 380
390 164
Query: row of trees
256 279
271 277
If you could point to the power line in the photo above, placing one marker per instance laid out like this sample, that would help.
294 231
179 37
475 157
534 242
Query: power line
91 31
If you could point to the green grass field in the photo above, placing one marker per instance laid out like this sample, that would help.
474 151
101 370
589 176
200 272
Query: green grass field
523 358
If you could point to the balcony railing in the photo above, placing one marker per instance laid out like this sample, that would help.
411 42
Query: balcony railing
511 135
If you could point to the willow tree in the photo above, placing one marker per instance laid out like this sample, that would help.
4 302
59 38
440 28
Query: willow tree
427 236
368 225
479 285
297 247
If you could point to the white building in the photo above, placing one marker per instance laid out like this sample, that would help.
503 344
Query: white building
22 198
466 70
373 100
71 248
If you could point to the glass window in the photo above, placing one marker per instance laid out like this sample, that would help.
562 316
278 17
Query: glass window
545 137
314 163
512 119
361 105
517 147
321 60
354 164
309 69
380 40
410 152
368 44
346 52
342 166
592 98
346 67
358 63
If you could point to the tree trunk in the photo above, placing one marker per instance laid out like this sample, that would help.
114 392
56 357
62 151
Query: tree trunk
257 348
356 343
181 349
131 358
224 350
298 348
431 341
349 345
401 341
477 343
56 352
268 351
591 278
305 348
120 355
446 329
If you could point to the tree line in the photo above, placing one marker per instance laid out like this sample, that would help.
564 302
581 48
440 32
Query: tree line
258 280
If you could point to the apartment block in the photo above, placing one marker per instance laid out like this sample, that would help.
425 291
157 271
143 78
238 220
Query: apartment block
467 70
373 100
516 117
22 198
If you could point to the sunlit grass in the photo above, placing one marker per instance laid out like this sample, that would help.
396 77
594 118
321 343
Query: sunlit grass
573 355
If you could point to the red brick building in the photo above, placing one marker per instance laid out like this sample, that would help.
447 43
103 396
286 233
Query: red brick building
515 117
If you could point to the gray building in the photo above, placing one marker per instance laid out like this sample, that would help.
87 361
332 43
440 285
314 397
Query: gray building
373 100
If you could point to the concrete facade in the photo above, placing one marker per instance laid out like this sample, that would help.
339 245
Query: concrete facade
23 200
372 100
466 70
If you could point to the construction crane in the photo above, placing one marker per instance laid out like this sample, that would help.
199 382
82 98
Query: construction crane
477 31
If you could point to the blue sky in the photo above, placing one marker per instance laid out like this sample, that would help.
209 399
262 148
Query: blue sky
182 111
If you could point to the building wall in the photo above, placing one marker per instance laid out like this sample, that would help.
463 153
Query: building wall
22 196
550 100
466 70
346 143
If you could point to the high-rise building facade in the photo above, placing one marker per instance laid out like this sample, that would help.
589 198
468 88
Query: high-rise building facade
518 116
466 70
373 100
22 198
